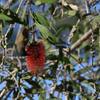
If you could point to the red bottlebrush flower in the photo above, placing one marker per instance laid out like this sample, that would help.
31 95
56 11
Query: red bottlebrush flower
35 58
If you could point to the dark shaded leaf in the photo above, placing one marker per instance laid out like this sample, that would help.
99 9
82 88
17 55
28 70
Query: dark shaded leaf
10 83
52 57
11 16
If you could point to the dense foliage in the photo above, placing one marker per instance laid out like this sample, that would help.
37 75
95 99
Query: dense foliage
70 32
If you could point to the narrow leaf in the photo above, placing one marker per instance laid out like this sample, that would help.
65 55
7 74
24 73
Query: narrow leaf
4 17
44 31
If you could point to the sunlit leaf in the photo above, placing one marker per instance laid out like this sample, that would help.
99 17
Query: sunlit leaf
44 31
42 20
45 1
4 17
71 13
74 7
96 21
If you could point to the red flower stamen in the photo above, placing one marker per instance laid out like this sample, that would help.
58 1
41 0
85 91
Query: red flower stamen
35 58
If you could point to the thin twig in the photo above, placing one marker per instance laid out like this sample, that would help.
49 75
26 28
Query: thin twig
3 91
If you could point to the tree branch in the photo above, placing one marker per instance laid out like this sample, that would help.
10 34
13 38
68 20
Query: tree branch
79 42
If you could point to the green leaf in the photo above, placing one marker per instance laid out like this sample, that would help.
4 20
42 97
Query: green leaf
10 33
47 1
71 12
42 96
42 19
4 17
10 83
44 31
95 21
52 39
52 57
66 60
11 17
38 2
